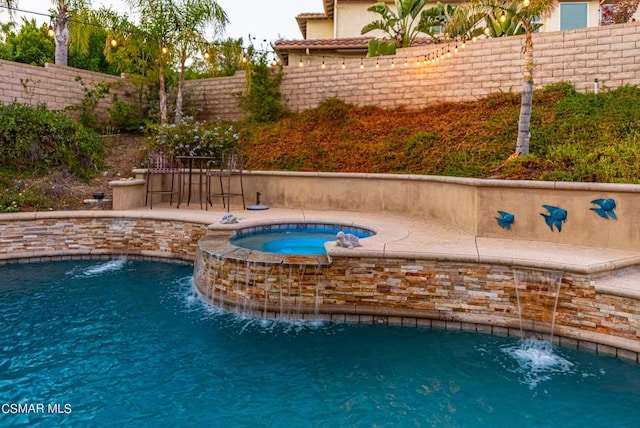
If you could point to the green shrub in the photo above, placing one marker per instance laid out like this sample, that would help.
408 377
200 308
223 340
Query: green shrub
124 117
13 199
193 138
34 139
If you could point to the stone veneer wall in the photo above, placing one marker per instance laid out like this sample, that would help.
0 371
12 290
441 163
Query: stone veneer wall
458 295
401 291
39 236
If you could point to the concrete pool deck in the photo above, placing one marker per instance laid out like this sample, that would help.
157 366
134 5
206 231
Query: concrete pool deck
617 271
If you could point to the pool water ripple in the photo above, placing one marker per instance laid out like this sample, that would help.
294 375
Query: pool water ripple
135 345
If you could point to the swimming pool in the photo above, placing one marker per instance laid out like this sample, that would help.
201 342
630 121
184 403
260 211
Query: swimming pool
293 238
123 343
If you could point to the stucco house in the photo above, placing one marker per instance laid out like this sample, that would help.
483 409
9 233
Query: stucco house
336 31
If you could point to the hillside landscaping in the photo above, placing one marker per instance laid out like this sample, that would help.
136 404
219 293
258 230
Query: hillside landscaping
49 162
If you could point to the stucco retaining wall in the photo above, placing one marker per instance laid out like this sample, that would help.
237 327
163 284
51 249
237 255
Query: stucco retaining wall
467 204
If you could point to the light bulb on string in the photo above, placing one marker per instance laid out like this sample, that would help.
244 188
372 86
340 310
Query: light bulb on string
50 31
406 63
377 64
322 66
361 65
474 39
206 55
503 17
114 43
418 61
164 50
525 3
343 64
300 63
455 50
393 63
464 44
448 52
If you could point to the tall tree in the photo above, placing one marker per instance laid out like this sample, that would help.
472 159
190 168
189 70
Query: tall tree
193 18
524 13
158 21
62 16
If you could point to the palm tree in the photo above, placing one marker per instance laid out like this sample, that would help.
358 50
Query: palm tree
157 21
525 14
404 25
64 10
193 16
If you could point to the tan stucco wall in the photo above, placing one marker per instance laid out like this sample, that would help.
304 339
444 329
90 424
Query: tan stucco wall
351 17
469 205
317 29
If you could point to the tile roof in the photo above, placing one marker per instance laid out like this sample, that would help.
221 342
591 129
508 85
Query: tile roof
349 42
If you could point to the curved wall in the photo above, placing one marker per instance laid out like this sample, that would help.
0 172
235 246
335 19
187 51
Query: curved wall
56 235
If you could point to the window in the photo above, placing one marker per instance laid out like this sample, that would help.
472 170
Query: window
573 15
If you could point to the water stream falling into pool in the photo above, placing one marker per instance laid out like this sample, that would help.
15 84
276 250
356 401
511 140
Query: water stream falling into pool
128 343
537 294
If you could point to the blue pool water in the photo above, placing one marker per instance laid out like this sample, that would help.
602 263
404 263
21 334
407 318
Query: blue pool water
124 343
307 240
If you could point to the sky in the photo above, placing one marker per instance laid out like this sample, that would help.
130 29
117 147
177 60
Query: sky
268 20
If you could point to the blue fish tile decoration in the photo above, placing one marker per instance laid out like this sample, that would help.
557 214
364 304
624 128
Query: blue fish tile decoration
605 208
505 220
556 217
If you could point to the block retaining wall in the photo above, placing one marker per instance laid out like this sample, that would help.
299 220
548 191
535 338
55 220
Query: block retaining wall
607 53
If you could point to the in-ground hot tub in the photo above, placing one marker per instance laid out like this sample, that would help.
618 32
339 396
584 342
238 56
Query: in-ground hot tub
276 270
293 238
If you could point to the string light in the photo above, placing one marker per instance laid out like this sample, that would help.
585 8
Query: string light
50 31
393 64
300 63
406 63
418 61
377 64
361 65
455 50
323 66
165 50
503 17
206 55
343 64
525 3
